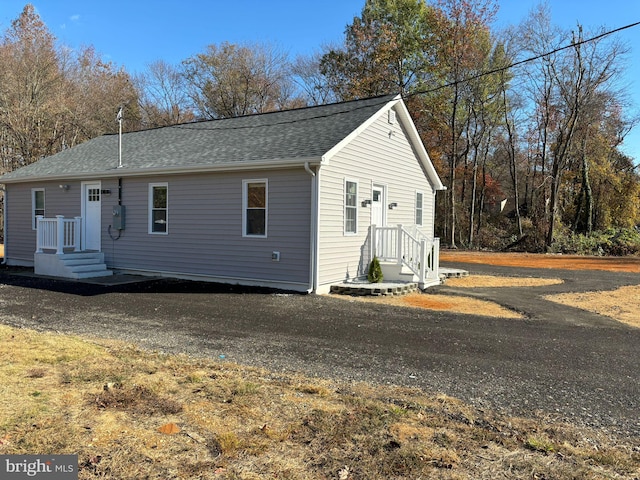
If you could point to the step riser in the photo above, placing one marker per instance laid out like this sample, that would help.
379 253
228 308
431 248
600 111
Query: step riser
94 267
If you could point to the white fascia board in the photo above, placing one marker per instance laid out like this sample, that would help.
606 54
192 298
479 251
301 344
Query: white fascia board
416 141
177 170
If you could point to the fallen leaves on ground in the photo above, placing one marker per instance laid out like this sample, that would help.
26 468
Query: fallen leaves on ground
169 429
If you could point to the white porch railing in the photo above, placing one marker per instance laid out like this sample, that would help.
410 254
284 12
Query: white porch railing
408 247
58 233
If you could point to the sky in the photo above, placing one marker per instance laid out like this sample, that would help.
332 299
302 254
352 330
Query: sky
135 33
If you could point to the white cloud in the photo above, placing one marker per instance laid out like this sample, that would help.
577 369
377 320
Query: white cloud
74 18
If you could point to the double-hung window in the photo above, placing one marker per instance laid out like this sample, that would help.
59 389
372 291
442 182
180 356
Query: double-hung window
350 207
419 208
255 196
159 208
37 205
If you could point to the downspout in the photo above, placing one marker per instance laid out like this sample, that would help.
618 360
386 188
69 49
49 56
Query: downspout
314 230
4 224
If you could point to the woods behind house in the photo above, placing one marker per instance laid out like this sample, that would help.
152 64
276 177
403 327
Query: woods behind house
525 125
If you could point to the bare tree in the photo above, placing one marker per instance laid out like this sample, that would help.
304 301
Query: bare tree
163 97
230 80
30 91
308 76
95 91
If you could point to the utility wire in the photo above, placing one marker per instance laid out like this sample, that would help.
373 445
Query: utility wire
421 92
521 62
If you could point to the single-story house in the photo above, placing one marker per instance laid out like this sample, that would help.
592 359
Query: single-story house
298 199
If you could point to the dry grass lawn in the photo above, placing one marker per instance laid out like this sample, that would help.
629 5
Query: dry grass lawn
130 414
622 304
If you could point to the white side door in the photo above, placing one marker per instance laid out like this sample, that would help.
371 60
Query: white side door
379 218
378 212
91 216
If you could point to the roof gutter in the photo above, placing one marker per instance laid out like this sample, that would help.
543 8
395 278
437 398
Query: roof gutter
314 232
177 170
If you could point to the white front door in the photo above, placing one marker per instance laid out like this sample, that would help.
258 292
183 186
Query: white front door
378 217
91 213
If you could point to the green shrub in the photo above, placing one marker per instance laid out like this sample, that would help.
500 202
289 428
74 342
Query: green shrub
375 271
614 241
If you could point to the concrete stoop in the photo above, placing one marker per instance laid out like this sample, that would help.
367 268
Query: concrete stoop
71 265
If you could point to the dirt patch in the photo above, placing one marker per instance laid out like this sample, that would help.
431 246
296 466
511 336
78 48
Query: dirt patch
533 260
621 304
449 303
478 281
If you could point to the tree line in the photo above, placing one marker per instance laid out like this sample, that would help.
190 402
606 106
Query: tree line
524 125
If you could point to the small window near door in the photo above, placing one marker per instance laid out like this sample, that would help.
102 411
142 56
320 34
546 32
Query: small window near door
93 195
255 203
419 208
158 208
350 207
37 205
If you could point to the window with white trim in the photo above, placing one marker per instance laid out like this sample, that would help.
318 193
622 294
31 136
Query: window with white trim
350 207
255 194
159 208
419 207
37 205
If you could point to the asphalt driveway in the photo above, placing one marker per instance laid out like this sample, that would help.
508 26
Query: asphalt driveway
559 362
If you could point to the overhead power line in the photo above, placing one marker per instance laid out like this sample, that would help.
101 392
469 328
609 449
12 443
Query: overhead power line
521 62
430 90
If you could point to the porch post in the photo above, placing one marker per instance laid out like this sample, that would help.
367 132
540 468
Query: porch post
77 229
423 260
59 234
399 245
39 234
373 242
436 257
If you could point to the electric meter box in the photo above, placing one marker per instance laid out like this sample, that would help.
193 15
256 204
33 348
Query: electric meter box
118 217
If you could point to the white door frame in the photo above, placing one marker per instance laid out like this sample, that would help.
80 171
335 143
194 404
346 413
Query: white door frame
380 204
91 220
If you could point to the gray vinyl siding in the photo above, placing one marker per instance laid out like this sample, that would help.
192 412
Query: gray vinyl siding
20 241
374 157
205 228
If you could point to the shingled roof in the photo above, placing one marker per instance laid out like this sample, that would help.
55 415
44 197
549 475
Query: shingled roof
274 138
